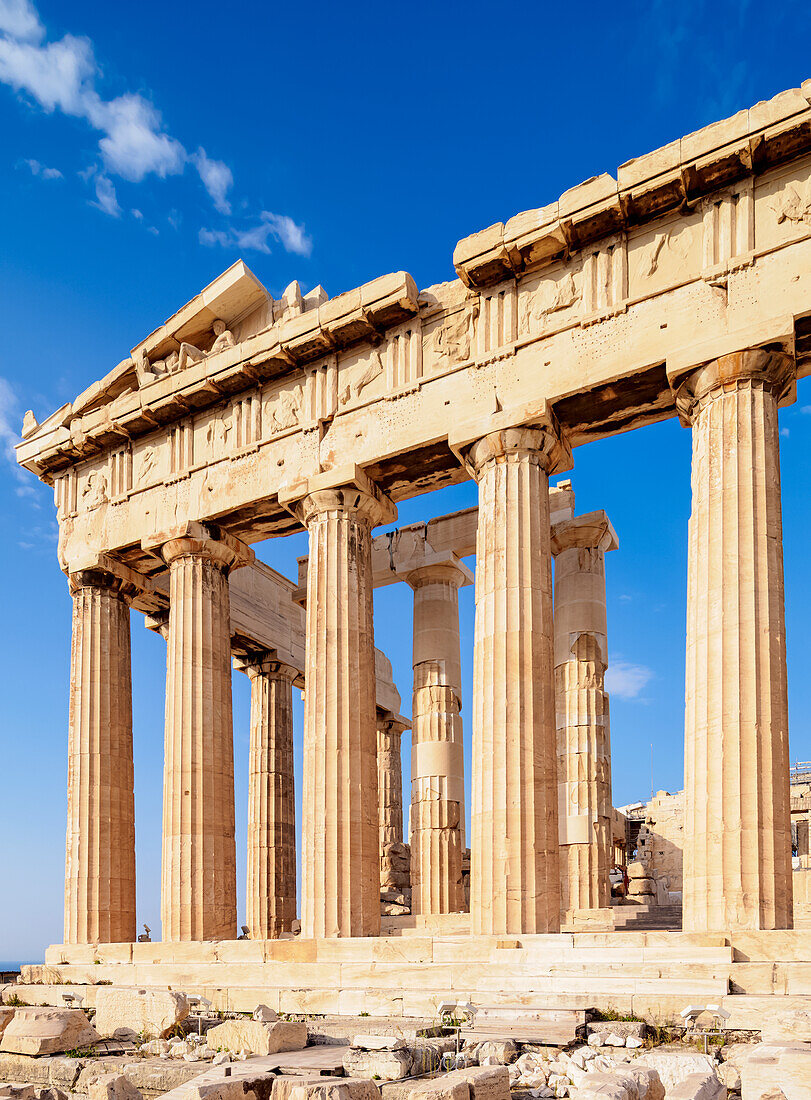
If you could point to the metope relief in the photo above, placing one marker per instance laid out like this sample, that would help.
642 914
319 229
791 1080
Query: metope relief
354 378
282 409
665 257
548 303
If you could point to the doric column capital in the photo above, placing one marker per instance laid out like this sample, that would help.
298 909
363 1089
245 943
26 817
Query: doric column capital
592 531
105 572
346 489
530 430
204 541
773 369
451 571
264 664
544 445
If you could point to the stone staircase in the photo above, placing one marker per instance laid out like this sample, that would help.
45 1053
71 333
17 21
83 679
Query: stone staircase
647 918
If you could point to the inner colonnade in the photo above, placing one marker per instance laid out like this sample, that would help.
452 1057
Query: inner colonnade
679 288
353 793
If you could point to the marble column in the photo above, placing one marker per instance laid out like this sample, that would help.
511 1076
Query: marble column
100 847
437 751
198 900
340 829
389 781
270 895
579 546
737 828
515 867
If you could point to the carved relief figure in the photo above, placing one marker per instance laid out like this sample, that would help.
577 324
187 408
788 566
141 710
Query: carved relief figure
94 492
451 341
794 204
217 433
549 298
362 376
149 459
285 410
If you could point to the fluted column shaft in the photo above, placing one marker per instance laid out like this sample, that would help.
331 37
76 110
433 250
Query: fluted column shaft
271 880
737 830
515 877
389 782
340 830
583 735
198 900
437 750
100 845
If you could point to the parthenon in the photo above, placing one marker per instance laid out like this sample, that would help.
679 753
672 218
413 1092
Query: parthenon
679 288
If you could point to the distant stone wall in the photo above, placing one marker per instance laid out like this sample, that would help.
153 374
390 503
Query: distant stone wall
661 843
801 880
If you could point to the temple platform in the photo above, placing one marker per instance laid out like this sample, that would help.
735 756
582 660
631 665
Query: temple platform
407 973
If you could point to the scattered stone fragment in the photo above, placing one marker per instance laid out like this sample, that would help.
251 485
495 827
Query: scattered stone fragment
614 1040
500 1052
698 1086
47 1031
440 1088
265 1015
112 1086
595 1039
149 1012
385 1065
378 1042
336 1088
674 1067
255 1037
221 1058
771 1065
6 1016
633 1042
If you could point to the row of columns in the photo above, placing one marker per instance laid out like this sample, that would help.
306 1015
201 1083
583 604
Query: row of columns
737 857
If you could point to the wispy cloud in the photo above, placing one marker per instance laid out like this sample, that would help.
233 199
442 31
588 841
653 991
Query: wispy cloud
61 76
42 170
279 227
107 200
626 680
10 421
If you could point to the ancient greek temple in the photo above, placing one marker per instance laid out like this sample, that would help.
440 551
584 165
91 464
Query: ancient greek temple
680 288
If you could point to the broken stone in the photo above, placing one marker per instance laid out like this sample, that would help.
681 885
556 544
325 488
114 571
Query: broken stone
112 1086
674 1067
632 1042
387 909
335 1088
499 1052
699 1086
387 1064
377 1042
427 1053
614 1040
485 1082
47 1031
730 1075
256 1037
149 1012
595 1039
265 1015
440 1088
787 1066
6 1016
155 1047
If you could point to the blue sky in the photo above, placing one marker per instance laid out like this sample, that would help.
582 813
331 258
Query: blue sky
332 143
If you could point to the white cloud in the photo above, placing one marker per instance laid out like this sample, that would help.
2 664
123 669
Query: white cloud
806 409
61 75
626 680
10 422
280 227
106 196
292 236
19 19
42 170
217 179
785 432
